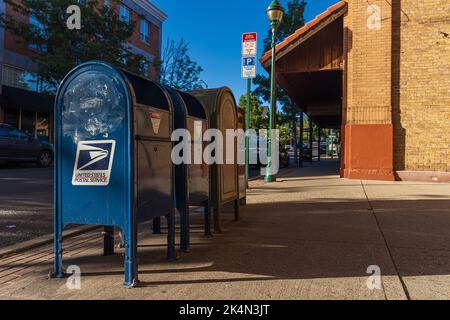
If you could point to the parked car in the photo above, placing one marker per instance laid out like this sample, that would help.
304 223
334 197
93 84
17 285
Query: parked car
18 146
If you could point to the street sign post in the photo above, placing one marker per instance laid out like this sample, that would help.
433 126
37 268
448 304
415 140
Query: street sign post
249 52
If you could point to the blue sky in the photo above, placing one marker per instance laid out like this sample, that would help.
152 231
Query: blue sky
214 29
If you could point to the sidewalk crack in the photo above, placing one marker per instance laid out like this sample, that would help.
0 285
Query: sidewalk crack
377 221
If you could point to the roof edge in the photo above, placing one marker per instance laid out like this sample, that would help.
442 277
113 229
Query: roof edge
342 5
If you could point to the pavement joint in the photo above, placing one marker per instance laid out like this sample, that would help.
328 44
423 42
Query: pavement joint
380 230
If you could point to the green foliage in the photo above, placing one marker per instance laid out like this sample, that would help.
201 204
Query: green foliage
57 49
177 69
285 135
257 121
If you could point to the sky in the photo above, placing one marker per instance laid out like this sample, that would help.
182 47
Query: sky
213 29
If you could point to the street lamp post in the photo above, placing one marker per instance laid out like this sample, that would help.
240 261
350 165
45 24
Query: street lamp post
275 14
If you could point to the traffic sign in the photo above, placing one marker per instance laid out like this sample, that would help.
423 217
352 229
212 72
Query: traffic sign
248 67
250 44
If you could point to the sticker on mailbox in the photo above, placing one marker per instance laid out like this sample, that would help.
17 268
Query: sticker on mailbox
93 163
156 121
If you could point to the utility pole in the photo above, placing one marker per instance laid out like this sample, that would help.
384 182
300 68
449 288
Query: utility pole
247 127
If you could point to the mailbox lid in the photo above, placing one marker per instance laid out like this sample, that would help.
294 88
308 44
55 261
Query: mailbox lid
93 146
195 108
152 107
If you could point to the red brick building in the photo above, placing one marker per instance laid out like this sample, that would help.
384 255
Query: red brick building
378 71
22 106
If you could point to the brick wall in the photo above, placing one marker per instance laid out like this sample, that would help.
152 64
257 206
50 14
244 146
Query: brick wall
367 80
422 122
13 43
153 47
399 74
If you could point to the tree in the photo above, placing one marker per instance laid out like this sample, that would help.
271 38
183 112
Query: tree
292 20
257 121
177 69
56 49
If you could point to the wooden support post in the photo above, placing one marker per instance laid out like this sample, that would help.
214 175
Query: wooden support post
302 129
311 140
318 145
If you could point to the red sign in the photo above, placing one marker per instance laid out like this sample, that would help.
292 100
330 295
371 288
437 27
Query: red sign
249 44
246 37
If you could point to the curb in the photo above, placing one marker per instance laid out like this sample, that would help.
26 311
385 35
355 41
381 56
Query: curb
42 241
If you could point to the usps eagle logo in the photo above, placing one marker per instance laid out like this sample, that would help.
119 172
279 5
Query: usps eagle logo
93 163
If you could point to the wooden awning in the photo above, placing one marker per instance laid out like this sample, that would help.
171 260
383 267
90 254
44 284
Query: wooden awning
310 66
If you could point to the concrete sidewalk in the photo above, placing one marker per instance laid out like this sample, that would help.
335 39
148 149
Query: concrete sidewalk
311 235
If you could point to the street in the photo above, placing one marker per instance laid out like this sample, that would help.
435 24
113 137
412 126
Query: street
26 198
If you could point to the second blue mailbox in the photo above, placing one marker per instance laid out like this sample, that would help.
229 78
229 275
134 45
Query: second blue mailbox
112 161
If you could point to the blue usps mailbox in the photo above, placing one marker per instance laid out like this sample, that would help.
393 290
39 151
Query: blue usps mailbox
112 161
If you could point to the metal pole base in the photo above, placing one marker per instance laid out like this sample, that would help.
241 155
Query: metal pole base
270 179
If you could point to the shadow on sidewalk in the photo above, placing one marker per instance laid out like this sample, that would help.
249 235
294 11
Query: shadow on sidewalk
304 240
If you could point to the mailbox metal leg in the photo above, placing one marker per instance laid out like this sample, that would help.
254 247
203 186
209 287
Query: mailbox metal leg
184 229
236 210
171 255
207 219
157 226
131 272
217 225
108 241
58 253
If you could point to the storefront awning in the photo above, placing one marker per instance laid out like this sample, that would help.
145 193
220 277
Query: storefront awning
15 98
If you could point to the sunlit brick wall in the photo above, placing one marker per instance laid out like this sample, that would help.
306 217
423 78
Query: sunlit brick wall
368 64
422 125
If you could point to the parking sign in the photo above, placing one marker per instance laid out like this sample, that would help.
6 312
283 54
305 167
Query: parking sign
249 52
248 67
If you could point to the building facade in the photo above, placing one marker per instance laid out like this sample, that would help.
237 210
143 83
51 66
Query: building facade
22 106
379 70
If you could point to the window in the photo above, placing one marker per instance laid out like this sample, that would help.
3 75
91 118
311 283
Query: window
145 31
43 126
124 14
17 134
12 117
28 122
40 34
19 78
